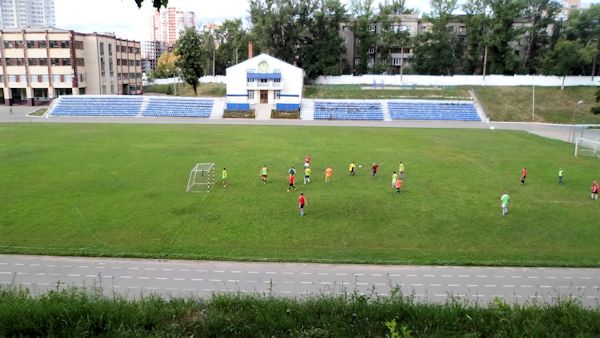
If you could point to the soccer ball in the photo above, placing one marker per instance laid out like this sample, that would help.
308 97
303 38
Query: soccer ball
360 165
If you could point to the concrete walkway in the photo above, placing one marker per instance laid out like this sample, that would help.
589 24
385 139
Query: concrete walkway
553 131
135 277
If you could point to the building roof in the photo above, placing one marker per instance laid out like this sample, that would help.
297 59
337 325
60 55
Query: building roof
259 58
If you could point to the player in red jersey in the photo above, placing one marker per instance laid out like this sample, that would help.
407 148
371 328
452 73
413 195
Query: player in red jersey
302 203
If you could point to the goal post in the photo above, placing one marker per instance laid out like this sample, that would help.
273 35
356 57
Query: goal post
202 177
587 147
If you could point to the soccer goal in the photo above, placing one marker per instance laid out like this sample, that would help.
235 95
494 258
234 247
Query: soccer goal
202 177
587 147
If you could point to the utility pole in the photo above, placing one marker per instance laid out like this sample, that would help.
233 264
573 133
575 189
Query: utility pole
533 100
485 62
401 63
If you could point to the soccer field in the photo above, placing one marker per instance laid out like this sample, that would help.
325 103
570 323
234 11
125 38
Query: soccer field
120 190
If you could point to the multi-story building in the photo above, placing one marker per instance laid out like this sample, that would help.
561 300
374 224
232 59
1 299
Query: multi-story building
168 24
151 51
43 64
26 13
400 56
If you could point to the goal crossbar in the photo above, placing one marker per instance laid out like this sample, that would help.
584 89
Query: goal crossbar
202 177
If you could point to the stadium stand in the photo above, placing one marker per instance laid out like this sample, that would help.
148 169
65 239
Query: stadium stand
433 110
100 105
107 105
178 107
347 110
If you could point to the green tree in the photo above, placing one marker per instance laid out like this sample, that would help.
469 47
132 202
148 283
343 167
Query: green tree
391 37
596 110
323 44
436 50
477 22
584 25
365 34
156 3
539 14
277 26
166 65
502 34
191 56
232 40
567 58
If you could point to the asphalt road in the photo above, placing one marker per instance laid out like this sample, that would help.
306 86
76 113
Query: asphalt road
135 277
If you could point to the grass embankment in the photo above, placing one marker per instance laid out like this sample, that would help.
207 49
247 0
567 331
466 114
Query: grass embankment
39 112
358 92
119 190
74 313
184 89
552 105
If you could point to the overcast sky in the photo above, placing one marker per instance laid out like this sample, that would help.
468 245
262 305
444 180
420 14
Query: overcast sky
127 21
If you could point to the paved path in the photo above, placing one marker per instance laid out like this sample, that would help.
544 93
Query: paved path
133 277
554 131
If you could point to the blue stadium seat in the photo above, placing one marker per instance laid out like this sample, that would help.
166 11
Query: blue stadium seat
347 110
178 107
76 105
434 110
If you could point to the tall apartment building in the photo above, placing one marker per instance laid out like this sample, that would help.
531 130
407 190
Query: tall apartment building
167 25
26 13
43 64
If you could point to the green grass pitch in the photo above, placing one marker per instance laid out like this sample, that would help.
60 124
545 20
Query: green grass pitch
119 190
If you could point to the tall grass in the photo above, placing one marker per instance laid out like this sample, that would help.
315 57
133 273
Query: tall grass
77 313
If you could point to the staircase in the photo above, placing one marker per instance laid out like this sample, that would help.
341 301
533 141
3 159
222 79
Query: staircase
263 112
218 109
144 106
386 111
307 110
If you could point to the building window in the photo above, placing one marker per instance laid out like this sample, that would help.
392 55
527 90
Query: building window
33 62
372 28
371 50
346 39
20 61
9 44
31 44
41 44
396 62
251 95
55 78
21 78
12 78
43 62
45 78
277 80
66 61
81 62
110 52
101 48
277 94
345 28
33 78
54 62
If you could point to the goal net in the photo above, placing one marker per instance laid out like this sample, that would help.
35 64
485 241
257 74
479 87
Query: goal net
587 147
202 177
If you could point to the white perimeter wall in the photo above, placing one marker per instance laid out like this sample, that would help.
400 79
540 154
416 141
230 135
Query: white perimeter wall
427 80
459 80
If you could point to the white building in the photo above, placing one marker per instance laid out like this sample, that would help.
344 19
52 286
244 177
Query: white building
264 81
26 13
